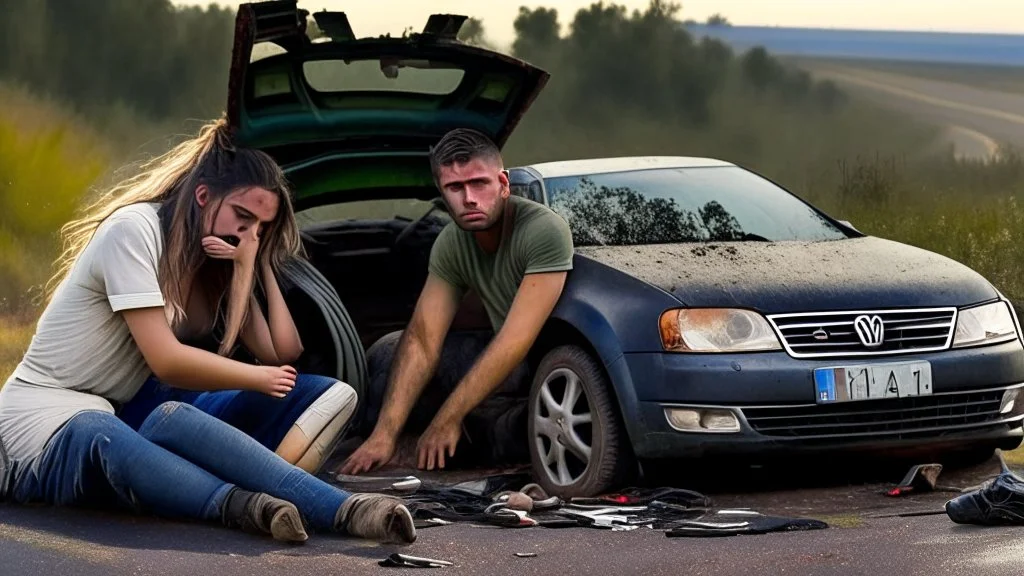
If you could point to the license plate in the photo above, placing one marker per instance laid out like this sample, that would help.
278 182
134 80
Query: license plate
873 381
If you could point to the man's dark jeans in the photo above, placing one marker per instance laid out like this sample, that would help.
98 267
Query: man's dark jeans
493 434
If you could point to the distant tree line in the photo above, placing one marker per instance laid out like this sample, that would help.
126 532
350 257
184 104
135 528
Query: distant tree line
647 63
162 60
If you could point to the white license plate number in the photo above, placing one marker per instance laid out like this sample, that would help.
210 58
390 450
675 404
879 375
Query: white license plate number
872 382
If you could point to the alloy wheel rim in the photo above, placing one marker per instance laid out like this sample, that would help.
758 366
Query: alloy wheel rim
563 427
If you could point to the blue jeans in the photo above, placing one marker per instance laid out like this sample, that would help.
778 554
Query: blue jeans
265 418
182 463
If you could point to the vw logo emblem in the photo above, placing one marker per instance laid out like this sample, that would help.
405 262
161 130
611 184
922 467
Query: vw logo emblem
870 330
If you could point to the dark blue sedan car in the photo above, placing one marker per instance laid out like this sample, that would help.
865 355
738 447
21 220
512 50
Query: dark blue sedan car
710 312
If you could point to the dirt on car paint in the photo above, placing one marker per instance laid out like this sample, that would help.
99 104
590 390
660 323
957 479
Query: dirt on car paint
779 275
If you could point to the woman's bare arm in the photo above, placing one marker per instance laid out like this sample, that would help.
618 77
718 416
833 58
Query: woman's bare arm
276 341
283 332
184 366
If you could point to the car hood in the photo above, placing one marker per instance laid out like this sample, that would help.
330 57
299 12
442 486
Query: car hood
371 104
780 277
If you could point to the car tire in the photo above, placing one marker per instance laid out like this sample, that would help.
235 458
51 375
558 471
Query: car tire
560 435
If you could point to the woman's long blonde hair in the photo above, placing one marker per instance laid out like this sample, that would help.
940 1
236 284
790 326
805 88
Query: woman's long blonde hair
171 180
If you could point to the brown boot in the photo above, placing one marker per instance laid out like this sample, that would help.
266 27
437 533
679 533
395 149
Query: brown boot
376 517
259 513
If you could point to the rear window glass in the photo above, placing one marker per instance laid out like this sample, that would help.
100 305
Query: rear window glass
384 209
423 76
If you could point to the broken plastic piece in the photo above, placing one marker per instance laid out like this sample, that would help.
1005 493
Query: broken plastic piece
715 525
920 478
526 554
739 512
398 560
623 527
402 484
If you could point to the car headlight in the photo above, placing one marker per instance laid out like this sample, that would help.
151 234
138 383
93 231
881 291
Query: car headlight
984 325
716 330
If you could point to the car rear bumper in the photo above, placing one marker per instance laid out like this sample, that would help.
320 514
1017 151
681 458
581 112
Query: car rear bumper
773 398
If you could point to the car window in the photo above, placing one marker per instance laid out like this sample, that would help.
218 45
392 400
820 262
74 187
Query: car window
705 204
385 209
334 75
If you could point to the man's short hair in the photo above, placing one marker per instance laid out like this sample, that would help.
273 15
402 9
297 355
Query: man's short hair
461 145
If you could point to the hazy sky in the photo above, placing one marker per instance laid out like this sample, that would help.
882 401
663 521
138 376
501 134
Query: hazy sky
372 17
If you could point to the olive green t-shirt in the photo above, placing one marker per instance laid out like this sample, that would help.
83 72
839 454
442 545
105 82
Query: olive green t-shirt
540 241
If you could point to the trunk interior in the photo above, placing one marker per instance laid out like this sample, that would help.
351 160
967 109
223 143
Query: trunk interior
378 267
377 278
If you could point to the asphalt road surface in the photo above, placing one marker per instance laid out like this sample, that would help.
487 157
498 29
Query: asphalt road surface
978 119
864 537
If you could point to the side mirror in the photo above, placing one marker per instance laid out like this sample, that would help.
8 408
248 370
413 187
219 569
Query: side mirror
848 225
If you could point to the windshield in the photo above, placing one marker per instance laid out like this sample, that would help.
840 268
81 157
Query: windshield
662 206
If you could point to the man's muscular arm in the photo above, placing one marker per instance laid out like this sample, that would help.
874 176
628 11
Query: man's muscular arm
415 361
534 301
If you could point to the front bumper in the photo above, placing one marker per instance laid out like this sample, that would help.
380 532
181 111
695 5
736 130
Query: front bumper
773 397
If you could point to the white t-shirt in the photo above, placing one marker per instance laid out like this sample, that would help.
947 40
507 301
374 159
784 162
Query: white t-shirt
82 353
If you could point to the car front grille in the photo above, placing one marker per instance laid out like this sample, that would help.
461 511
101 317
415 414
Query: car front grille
900 417
815 335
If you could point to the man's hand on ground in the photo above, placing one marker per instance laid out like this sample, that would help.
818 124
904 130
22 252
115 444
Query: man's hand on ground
439 438
374 453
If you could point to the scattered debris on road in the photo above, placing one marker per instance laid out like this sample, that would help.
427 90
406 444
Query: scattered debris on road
495 501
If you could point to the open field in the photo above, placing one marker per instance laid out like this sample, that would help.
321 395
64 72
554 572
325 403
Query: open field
999 78
977 115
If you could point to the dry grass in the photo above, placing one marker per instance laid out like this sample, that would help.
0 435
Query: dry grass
1015 458
49 159
14 338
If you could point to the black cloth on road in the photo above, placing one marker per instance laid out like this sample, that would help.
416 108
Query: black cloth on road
727 526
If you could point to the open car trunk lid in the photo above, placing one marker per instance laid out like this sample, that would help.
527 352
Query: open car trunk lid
385 99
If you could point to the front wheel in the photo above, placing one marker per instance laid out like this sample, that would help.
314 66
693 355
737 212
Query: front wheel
578 445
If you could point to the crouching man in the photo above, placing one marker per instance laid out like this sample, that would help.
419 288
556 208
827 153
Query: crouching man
465 389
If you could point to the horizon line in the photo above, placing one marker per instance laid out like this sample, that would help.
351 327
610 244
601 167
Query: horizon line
861 29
